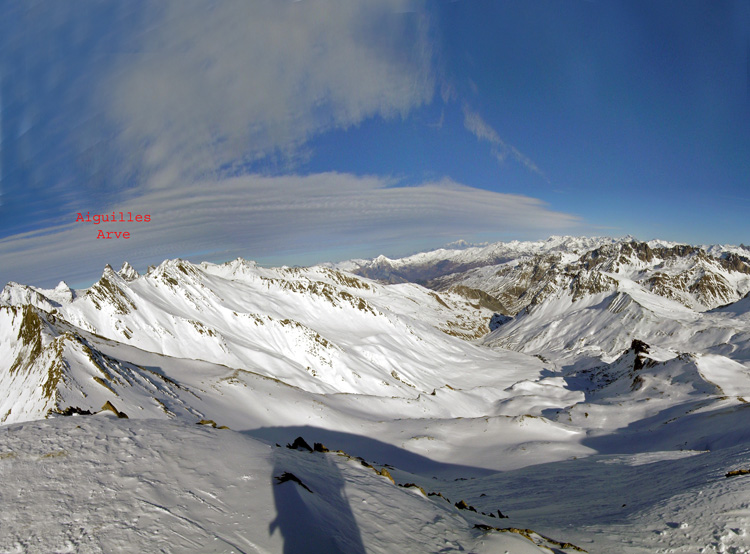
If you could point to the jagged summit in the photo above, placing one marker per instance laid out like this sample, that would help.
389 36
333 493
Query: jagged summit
127 272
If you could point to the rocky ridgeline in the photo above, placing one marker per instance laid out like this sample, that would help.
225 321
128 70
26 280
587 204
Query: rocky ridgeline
693 276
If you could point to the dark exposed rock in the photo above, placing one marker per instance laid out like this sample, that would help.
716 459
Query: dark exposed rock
462 505
74 410
482 298
735 262
212 423
108 406
286 476
639 349
387 474
637 383
299 444
106 291
497 320
413 486
711 287
585 283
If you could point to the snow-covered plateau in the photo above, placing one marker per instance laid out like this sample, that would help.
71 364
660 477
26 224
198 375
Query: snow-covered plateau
574 394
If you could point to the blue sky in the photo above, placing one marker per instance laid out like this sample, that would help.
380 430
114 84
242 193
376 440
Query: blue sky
300 132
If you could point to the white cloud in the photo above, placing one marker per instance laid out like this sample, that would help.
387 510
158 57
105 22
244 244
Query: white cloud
263 217
478 127
222 83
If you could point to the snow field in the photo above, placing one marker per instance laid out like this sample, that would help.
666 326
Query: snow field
92 484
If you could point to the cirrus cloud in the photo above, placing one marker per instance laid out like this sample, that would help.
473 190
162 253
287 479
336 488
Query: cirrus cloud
477 126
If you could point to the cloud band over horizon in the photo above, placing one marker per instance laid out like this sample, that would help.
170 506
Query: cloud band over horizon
267 218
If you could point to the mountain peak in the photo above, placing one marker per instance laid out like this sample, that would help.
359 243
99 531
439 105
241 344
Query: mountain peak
380 260
62 286
127 272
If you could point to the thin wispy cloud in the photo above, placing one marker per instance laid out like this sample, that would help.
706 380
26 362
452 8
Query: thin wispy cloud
477 126
261 217
223 84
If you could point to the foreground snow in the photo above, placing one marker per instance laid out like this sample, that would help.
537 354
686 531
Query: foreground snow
99 484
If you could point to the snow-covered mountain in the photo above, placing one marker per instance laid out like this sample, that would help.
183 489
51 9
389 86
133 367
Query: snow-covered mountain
317 329
519 274
461 257
527 377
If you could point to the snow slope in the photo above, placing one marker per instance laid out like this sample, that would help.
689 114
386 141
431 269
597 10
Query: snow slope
101 484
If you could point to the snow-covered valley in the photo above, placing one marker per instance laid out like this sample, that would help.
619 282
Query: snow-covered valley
594 391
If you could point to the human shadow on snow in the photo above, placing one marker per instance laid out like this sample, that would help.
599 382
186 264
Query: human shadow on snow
314 514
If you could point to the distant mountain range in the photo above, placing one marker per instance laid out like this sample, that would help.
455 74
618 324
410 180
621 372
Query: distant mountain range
519 274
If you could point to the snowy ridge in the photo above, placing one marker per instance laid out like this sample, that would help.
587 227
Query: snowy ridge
284 323
518 274
430 265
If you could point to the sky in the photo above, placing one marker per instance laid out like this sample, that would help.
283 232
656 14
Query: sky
298 132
